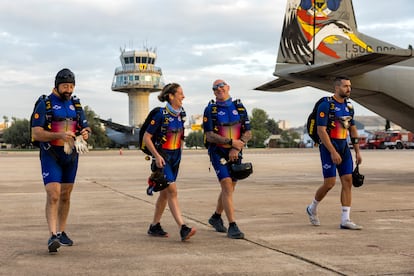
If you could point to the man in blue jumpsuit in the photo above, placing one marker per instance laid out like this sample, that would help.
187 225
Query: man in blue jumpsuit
335 153
60 126
227 134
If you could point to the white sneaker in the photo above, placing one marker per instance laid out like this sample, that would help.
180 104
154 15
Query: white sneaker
313 218
350 225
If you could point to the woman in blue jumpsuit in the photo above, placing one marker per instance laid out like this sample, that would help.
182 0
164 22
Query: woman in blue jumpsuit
167 155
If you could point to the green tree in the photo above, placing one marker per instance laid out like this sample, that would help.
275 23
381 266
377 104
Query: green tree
273 127
259 129
98 138
290 139
18 134
195 139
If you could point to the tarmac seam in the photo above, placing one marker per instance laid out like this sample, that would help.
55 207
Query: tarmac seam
122 193
298 257
8 258
394 210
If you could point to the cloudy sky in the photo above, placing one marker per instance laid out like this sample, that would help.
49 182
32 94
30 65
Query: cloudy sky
197 41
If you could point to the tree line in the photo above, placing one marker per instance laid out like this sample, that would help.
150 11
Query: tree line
261 126
18 134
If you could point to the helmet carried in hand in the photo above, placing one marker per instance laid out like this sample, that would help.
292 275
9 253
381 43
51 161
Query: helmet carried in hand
157 182
357 178
241 171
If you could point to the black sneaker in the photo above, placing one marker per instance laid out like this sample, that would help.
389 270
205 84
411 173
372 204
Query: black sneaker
186 232
217 223
64 239
234 232
157 231
53 244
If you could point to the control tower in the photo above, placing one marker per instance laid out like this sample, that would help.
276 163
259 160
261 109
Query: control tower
138 77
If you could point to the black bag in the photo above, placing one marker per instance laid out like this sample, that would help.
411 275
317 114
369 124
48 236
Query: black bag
357 178
48 122
311 126
143 128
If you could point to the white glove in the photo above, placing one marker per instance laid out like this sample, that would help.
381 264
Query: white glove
67 148
80 145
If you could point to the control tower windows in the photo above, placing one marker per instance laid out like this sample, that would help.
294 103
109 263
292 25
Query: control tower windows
121 80
128 60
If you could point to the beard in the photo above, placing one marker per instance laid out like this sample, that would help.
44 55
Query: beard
344 95
65 95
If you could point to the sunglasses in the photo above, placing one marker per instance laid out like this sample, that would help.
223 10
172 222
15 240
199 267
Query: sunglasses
219 85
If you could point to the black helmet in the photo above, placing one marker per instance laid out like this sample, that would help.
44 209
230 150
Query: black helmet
64 76
241 171
157 182
357 178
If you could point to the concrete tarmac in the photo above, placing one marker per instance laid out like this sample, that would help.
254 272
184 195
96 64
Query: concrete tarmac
110 214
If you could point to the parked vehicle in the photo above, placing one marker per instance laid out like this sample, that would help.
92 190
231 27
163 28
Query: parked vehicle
377 141
399 140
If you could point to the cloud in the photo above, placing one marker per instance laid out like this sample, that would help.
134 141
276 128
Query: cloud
197 42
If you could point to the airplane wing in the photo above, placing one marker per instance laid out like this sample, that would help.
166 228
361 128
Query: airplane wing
350 67
117 127
386 106
279 85
321 77
355 66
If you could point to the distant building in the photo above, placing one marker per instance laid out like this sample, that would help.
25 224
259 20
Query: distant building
196 119
373 123
3 127
195 123
273 141
283 124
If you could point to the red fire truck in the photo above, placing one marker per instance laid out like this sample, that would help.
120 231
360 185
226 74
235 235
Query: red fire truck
376 141
399 140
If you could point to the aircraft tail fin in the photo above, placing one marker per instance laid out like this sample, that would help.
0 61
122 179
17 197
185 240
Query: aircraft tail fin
323 31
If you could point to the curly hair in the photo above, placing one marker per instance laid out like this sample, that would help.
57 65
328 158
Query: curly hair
170 88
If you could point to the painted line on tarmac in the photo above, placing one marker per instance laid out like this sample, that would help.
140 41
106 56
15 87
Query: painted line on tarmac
298 257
